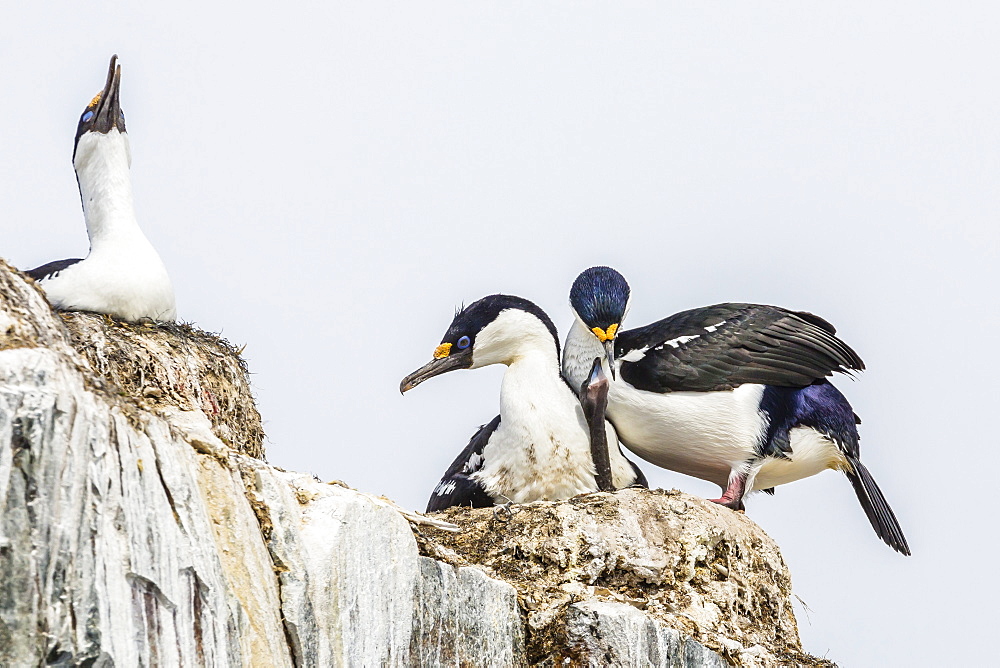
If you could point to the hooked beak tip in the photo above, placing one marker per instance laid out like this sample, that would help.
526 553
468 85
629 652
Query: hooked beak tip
435 367
609 355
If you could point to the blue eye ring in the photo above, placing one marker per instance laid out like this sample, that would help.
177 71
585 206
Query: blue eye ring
87 116
463 343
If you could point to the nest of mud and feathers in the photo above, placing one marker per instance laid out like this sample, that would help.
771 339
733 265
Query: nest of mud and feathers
144 366
694 566
170 364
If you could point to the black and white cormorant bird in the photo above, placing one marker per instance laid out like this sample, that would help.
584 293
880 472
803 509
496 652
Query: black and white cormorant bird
735 394
122 275
539 447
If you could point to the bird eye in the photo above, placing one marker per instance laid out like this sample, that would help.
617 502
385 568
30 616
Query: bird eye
87 116
464 342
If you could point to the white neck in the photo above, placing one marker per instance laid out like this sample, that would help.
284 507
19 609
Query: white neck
512 335
582 347
532 387
534 400
522 342
102 170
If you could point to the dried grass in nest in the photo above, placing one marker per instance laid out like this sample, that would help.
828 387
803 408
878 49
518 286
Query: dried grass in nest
173 364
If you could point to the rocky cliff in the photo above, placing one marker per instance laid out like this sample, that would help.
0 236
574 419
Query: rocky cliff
139 525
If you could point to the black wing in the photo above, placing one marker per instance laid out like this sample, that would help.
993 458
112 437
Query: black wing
723 346
51 269
457 487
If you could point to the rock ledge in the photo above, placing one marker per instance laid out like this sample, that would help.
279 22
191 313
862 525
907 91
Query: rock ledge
139 525
649 568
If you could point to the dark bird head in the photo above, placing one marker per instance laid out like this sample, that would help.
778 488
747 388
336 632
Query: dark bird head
600 299
104 112
498 329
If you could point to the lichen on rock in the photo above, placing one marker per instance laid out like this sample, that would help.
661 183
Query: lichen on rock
687 564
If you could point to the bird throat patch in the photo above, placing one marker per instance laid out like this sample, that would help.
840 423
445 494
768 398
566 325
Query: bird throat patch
608 335
442 351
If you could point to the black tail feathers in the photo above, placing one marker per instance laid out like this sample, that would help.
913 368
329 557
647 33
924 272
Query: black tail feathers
876 507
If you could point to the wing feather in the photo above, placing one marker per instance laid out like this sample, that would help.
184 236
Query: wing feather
724 346
457 487
51 269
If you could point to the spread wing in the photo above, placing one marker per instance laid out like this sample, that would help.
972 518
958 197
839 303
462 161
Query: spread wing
51 269
723 346
458 487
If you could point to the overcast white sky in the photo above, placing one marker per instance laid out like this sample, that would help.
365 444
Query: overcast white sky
326 182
